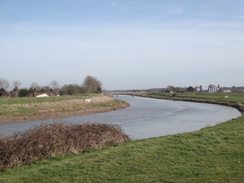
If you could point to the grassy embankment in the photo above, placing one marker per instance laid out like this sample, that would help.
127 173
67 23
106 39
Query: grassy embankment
212 154
232 99
29 108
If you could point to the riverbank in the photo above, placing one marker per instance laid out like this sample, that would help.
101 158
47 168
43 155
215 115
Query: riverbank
230 100
212 154
25 109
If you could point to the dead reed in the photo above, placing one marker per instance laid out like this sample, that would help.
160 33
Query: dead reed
51 140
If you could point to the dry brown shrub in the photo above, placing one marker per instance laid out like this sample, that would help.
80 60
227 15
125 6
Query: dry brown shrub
51 140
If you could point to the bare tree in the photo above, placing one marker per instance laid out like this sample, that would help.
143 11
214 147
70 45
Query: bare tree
92 85
16 84
35 86
55 86
70 89
170 88
46 88
4 84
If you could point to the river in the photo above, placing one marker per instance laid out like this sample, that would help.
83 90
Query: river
146 117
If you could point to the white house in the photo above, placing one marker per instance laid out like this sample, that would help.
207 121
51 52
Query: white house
227 91
42 95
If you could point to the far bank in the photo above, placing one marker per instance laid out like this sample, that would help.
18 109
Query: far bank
26 108
230 100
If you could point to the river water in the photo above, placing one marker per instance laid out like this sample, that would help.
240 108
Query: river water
146 117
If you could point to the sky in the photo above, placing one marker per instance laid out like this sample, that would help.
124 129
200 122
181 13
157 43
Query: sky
126 44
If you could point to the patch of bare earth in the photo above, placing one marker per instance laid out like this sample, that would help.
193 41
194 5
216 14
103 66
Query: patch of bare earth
74 107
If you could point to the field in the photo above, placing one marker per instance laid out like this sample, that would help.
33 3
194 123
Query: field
30 108
212 154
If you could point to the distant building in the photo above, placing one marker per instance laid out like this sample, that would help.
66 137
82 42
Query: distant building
35 94
227 91
202 89
213 88
42 95
210 89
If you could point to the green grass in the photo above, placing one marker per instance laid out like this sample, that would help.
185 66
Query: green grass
29 105
232 97
212 154
34 100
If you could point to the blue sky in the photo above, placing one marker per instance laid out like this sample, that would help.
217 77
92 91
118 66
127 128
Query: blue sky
127 44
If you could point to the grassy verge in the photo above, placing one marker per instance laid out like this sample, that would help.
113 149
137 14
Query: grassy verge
213 154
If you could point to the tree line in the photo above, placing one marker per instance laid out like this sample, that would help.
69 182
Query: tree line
90 85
